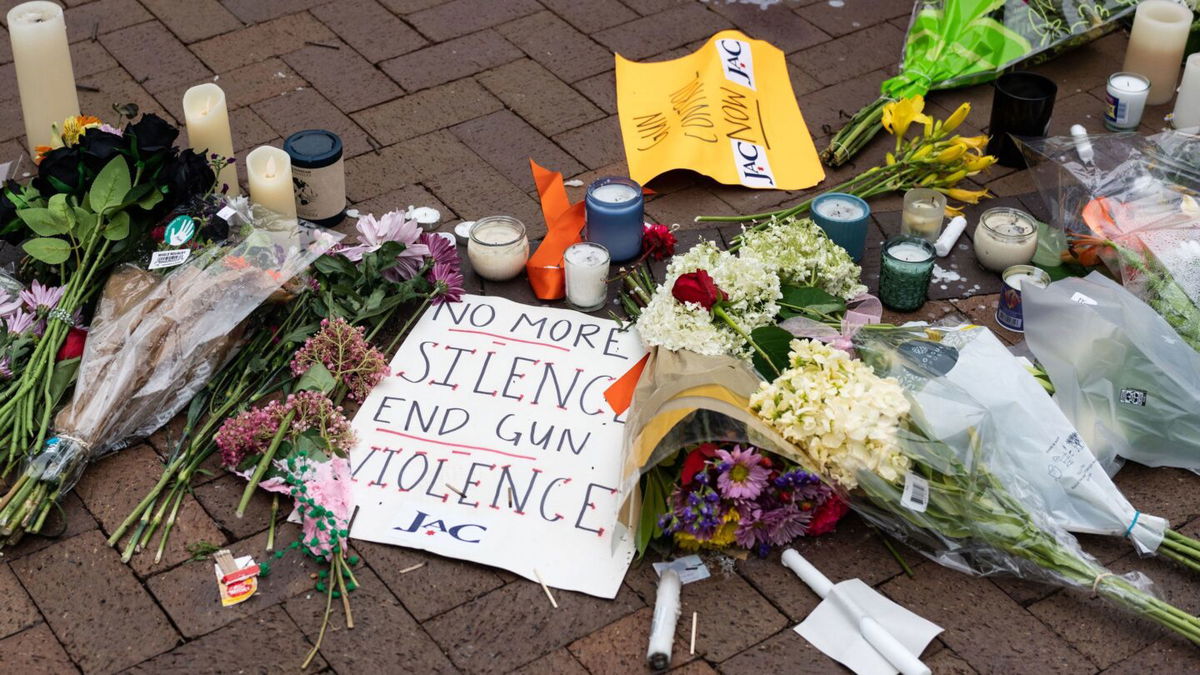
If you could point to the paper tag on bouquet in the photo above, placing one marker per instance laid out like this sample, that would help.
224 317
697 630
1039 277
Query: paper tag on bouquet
237 579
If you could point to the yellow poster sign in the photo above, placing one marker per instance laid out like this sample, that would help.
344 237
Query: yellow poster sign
726 111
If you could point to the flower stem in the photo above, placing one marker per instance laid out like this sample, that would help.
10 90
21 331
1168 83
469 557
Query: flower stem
720 312
264 463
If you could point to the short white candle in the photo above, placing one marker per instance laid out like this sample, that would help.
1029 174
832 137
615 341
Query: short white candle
840 209
909 253
498 248
42 59
614 193
586 267
269 171
1005 237
1156 44
1187 106
1021 278
207 119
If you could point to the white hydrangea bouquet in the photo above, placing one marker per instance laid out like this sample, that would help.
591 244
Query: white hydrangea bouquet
712 301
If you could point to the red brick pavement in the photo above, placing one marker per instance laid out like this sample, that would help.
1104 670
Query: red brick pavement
441 103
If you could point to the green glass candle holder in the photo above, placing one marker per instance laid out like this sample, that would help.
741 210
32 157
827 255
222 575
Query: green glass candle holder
905 273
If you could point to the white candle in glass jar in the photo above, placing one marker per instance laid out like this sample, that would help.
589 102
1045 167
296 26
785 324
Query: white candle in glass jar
922 214
269 171
909 253
615 193
42 59
1156 44
207 119
1187 106
1005 237
498 248
586 268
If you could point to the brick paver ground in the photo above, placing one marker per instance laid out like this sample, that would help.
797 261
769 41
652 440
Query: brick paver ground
441 103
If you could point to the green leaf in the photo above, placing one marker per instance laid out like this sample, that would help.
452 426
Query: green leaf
775 342
61 210
316 378
43 222
1051 242
335 265
62 378
85 222
150 200
654 504
48 250
810 298
110 185
118 226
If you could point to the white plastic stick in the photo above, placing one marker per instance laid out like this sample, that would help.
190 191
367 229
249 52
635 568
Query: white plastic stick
662 626
950 235
878 636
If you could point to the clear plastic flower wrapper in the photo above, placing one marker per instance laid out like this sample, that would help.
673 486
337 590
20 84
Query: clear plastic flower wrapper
1132 206
927 482
155 340
1120 372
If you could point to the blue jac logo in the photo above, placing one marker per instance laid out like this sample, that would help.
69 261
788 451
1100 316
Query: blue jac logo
468 533
752 165
737 61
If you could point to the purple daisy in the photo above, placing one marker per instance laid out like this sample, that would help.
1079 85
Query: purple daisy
785 524
742 474
441 250
6 372
42 298
448 283
10 306
20 321
751 529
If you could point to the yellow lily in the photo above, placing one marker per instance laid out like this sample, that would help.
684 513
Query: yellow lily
976 143
899 115
977 163
956 118
952 153
967 196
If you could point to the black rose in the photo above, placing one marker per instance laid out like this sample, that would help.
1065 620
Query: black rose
61 170
99 147
151 135
188 175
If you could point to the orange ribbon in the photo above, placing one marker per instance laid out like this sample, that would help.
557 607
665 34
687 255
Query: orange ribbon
564 222
620 393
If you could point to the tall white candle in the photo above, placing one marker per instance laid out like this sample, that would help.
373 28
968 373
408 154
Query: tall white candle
45 78
1187 106
207 119
270 173
1156 44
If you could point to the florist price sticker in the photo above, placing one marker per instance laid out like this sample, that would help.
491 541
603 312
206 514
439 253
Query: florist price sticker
492 442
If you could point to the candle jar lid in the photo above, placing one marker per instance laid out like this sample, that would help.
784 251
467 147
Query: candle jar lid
497 224
906 239
614 180
313 148
995 218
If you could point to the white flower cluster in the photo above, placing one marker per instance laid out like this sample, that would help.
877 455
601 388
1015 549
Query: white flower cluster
800 252
838 411
753 291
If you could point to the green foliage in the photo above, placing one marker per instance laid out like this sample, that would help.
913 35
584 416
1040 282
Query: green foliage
656 489
775 344
808 301
316 378
110 186
43 221
48 250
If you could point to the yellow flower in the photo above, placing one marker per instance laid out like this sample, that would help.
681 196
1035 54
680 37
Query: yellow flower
952 153
74 127
976 163
956 118
952 211
899 115
967 196
976 143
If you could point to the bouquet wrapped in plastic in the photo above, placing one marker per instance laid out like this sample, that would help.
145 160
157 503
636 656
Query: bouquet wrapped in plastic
155 341
927 482
1134 206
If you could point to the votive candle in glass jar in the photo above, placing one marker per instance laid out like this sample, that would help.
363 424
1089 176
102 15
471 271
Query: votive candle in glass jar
924 210
586 268
905 273
1005 237
614 216
498 247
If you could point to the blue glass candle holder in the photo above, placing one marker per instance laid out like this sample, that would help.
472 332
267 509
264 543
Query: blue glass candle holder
844 218
614 216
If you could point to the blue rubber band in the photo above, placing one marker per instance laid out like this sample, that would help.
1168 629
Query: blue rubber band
1136 515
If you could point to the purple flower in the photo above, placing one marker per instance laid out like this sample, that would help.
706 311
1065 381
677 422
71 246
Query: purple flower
785 524
742 474
391 226
21 321
441 250
6 372
11 305
42 298
109 129
751 529
448 284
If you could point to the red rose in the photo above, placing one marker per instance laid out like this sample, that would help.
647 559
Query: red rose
72 346
158 234
826 518
694 462
699 288
658 242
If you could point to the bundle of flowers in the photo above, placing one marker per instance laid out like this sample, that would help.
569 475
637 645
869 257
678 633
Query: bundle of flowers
739 496
933 489
95 197
351 297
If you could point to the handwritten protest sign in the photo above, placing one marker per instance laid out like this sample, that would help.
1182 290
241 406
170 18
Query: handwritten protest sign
726 111
492 442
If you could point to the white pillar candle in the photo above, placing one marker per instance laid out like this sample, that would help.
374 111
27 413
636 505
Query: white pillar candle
586 269
45 78
207 119
269 171
1187 106
662 625
1156 44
